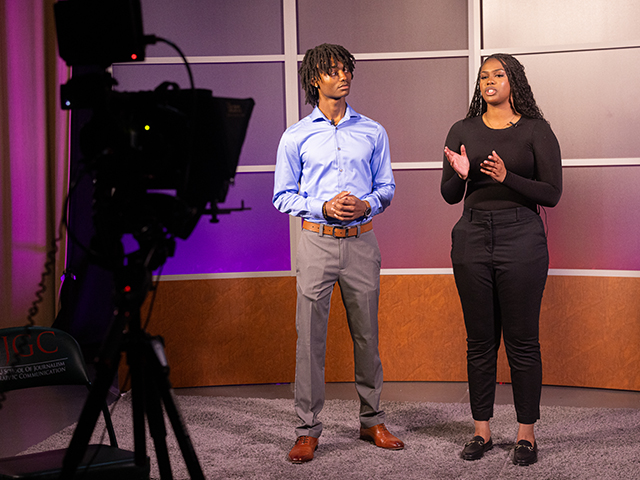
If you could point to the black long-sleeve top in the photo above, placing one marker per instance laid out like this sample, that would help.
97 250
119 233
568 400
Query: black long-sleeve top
531 155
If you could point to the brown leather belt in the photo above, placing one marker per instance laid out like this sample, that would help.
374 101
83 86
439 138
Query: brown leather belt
338 232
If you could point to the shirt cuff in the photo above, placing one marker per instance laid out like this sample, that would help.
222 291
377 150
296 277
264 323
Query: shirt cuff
315 207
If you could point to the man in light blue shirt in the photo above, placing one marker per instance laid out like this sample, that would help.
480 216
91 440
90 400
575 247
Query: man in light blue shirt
333 169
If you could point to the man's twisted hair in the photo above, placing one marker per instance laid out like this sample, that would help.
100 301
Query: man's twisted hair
521 99
320 60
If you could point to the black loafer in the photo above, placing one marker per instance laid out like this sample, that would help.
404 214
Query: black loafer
525 453
474 450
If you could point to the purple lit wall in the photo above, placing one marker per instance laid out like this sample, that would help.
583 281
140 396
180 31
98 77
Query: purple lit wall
251 241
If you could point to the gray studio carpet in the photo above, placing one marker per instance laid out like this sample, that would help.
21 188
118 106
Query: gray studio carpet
250 438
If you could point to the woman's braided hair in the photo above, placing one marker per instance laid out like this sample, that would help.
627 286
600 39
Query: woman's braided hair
318 60
521 99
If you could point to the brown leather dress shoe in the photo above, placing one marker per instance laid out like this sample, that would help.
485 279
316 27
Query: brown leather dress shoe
379 435
303 450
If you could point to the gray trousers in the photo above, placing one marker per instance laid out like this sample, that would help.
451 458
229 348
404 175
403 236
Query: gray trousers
354 263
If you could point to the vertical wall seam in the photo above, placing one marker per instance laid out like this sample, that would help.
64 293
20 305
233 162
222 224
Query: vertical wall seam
475 42
292 115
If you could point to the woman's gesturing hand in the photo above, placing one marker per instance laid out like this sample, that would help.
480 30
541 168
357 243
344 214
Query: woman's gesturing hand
458 161
494 167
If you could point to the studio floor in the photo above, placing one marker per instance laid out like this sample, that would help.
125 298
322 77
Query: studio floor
27 418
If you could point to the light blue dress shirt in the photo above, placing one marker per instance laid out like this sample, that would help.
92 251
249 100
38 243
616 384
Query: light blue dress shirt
317 160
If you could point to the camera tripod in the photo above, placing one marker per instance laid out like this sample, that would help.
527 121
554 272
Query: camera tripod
150 386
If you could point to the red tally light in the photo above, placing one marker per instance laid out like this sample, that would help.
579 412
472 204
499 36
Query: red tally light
133 56
127 288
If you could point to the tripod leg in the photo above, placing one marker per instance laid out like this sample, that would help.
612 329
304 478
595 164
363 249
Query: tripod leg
186 447
157 427
179 428
138 396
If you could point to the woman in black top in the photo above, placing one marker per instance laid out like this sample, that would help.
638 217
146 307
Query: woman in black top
504 160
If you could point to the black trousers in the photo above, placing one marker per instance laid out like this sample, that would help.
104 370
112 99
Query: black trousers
500 263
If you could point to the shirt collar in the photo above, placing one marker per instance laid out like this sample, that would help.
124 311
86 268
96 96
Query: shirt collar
317 115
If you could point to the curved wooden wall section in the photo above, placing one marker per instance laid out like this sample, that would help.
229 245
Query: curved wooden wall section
242 331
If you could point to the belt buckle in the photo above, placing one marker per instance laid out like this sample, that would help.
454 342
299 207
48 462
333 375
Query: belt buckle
347 231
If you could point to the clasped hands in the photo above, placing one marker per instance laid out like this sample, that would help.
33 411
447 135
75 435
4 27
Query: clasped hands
345 206
492 166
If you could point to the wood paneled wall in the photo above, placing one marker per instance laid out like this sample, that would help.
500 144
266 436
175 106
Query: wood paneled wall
242 331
